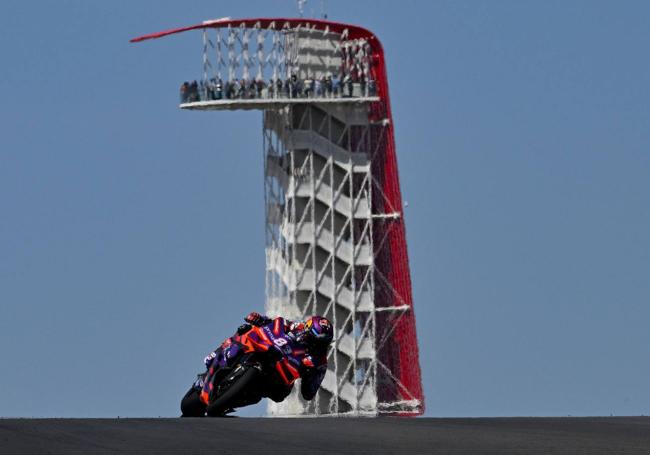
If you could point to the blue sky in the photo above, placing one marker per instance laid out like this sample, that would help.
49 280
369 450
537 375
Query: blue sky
131 233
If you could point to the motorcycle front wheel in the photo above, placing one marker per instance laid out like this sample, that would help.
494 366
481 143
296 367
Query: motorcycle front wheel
191 404
229 397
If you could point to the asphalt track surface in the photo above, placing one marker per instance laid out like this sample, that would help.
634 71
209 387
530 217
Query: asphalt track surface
386 435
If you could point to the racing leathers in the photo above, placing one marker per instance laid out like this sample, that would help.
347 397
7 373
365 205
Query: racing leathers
313 365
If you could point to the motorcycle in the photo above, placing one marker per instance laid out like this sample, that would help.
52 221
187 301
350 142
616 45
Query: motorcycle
244 370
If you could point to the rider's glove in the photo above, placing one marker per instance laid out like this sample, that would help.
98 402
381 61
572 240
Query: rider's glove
255 319
243 329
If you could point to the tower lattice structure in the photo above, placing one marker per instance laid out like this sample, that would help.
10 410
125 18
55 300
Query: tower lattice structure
335 236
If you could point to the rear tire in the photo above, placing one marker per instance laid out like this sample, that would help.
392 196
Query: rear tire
226 400
191 404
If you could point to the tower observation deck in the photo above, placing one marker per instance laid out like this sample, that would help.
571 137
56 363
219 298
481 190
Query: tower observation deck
335 237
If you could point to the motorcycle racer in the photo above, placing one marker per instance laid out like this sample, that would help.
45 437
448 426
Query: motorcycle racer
313 336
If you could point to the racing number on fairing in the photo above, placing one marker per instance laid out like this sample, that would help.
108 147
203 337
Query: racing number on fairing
282 344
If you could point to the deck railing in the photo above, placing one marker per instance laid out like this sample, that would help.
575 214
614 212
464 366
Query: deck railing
217 90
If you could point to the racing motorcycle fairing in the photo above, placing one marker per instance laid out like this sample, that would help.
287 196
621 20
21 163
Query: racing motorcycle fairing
269 348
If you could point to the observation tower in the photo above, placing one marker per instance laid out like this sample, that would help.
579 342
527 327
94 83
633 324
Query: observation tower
335 237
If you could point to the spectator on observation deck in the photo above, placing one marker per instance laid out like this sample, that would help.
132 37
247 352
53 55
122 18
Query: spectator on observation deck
372 87
241 88
218 90
194 92
318 86
230 89
336 86
323 85
209 89
288 87
212 89
348 84
293 86
363 85
201 91
328 85
308 87
252 89
261 85
270 88
280 88
185 88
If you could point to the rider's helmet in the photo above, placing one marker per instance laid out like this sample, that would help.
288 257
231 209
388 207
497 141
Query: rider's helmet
318 333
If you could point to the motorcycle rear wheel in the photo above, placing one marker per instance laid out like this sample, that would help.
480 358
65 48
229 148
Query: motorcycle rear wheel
226 400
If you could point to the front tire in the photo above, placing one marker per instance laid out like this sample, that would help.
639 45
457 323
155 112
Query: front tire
191 404
226 400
